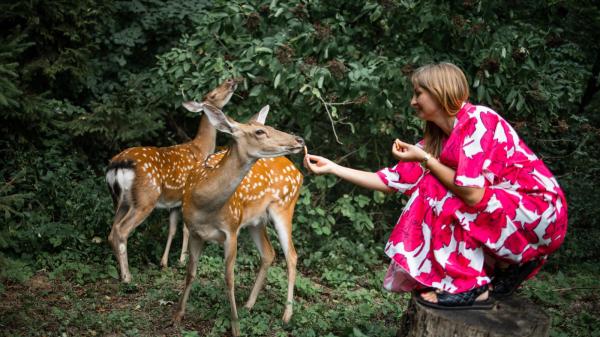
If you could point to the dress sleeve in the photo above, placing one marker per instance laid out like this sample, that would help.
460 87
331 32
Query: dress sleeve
481 145
402 177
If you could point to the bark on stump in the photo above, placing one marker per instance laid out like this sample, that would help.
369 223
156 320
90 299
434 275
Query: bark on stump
514 316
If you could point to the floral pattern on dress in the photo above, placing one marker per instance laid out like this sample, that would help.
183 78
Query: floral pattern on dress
440 241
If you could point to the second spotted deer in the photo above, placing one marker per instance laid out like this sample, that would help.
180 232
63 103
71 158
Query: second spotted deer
143 178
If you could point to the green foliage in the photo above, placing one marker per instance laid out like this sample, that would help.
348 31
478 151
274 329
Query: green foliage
324 77
80 81
573 288
9 51
13 270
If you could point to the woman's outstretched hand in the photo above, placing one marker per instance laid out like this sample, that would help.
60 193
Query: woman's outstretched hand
407 152
317 164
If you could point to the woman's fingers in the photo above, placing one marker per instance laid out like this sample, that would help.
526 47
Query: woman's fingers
312 158
404 151
312 162
400 145
307 163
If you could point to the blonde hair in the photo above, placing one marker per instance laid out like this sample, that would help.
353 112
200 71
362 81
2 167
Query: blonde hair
447 84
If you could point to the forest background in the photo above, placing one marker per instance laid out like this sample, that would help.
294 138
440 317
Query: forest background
82 80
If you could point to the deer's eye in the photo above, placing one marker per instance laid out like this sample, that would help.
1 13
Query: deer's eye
260 132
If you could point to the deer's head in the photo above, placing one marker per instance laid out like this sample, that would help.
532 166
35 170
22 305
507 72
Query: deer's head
255 138
218 97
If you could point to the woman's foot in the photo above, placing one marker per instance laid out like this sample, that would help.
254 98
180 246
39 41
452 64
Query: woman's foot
477 298
431 296
507 280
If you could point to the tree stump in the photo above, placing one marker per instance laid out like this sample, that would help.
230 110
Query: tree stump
514 316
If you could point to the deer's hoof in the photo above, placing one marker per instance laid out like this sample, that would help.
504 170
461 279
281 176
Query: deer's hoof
287 315
235 328
177 317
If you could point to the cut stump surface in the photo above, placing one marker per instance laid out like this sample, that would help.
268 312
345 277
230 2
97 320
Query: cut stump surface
515 316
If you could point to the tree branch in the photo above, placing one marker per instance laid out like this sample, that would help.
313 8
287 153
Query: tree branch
326 105
178 130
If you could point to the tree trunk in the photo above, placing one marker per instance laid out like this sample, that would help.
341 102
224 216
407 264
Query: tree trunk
514 316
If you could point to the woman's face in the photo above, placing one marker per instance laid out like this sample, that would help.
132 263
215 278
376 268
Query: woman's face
426 107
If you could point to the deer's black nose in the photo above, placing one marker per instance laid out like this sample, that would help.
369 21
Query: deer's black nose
300 140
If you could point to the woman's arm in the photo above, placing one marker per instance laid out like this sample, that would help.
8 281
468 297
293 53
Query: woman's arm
408 152
470 195
321 165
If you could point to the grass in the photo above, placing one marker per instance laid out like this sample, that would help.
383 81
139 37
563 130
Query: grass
65 303
55 304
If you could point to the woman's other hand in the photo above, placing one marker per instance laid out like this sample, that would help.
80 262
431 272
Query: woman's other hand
407 152
318 165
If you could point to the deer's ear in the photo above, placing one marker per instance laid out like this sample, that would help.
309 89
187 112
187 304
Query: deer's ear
193 106
261 116
218 119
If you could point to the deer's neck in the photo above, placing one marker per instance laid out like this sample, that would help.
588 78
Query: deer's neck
222 180
206 136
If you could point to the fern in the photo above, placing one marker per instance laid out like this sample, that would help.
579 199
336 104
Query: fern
10 49
11 203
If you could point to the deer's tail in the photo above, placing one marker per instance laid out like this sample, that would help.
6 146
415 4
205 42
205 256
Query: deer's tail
120 176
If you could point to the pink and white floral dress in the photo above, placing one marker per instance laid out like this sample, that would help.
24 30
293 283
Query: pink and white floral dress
440 241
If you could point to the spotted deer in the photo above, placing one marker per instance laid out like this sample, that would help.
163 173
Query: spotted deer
244 186
141 179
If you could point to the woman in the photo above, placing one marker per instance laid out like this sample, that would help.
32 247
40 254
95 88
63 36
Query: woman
484 212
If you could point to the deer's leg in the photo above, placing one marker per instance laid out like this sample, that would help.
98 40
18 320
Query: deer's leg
230 246
120 232
184 245
196 245
173 217
113 240
267 255
122 208
282 219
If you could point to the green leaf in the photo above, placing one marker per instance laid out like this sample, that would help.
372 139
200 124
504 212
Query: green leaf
256 91
263 50
112 271
276 82
316 92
